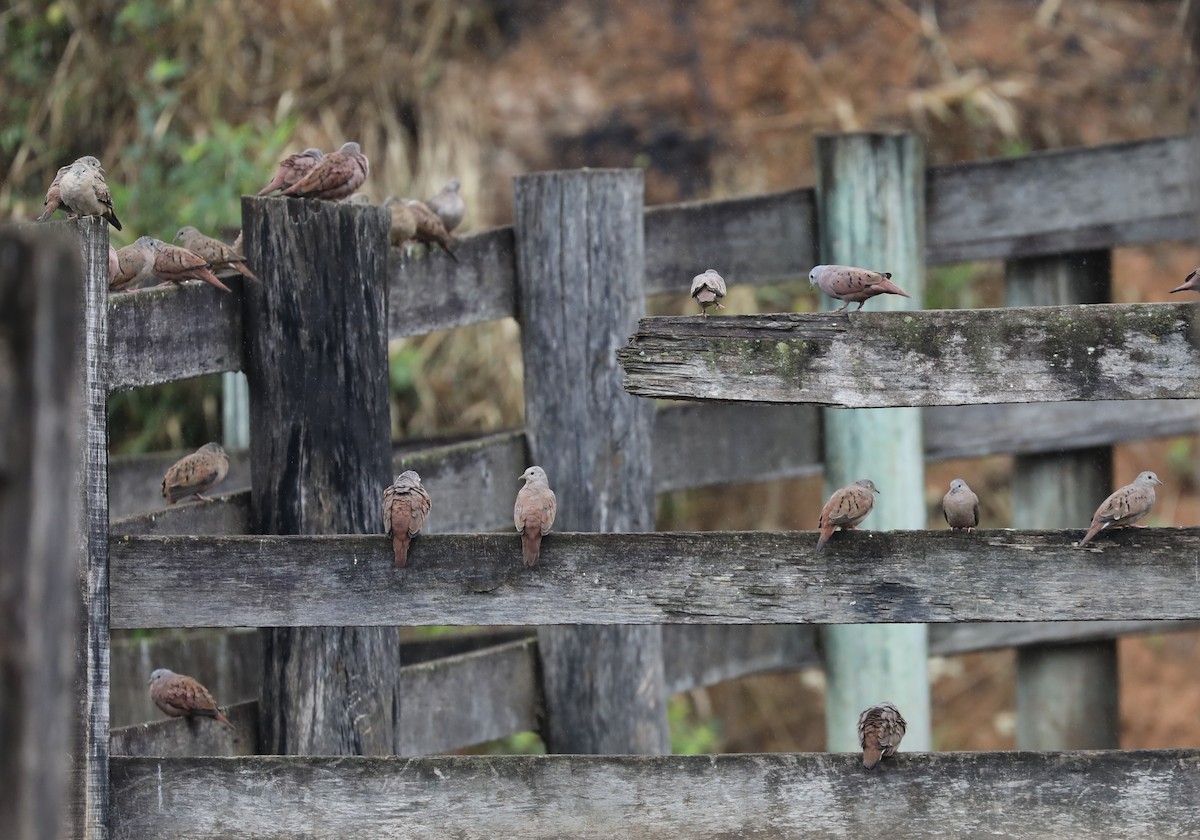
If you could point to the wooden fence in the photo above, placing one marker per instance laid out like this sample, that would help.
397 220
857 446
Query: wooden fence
148 571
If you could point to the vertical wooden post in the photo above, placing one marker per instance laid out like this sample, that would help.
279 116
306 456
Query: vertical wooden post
871 213
1066 694
316 361
41 302
581 289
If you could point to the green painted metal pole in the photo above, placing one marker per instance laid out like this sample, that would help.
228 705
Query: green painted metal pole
871 214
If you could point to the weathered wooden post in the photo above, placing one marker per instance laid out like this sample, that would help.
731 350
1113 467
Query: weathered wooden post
1066 693
41 305
871 213
320 454
580 289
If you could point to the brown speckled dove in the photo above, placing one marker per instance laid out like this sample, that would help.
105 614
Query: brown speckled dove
194 474
960 506
448 204
174 265
429 226
708 289
181 696
83 189
846 508
54 196
135 265
404 222
534 512
1124 507
405 509
1191 283
216 253
335 176
853 285
291 169
880 729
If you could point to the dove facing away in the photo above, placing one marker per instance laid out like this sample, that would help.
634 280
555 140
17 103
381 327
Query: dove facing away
53 200
83 189
708 289
960 506
335 176
853 285
534 512
181 696
216 253
404 221
1124 507
880 729
173 264
1191 283
846 508
291 169
405 509
194 474
448 204
135 265
429 226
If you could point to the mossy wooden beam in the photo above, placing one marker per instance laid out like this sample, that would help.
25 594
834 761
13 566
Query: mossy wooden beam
932 357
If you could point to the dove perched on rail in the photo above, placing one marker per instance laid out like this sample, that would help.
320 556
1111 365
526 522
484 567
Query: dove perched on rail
708 289
405 509
291 169
853 285
534 512
173 264
53 200
448 204
336 176
846 508
193 475
1191 283
404 221
181 696
219 256
880 729
1124 507
83 189
960 506
429 226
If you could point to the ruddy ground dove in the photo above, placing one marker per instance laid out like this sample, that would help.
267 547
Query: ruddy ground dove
83 189
194 474
1191 283
53 200
175 265
1124 507
853 285
960 506
880 729
534 512
708 289
449 205
846 508
405 509
335 176
135 265
291 169
181 696
429 226
404 222
218 255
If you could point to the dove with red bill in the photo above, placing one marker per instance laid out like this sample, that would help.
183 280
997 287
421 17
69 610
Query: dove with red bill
193 475
708 289
846 508
1124 507
960 506
1191 283
534 512
880 729
405 509
853 285
220 256
83 189
291 169
448 204
337 175
182 696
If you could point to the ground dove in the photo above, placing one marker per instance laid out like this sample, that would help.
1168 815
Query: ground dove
135 264
174 265
405 509
534 512
449 205
853 285
429 226
880 729
846 508
1124 507
291 169
335 176
54 196
83 189
181 696
708 289
404 223
218 255
114 264
1191 283
960 506
193 474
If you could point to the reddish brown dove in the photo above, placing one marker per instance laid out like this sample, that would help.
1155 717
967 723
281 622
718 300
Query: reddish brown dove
114 264
960 506
853 285
1191 283
194 474
54 196
449 205
429 226
846 508
215 252
880 729
1124 507
175 265
404 222
83 189
708 289
405 509
291 169
181 696
135 265
534 512
335 176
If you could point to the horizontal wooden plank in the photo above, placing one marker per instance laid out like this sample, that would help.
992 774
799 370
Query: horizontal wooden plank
656 578
191 736
1109 795
1061 201
167 333
227 513
921 358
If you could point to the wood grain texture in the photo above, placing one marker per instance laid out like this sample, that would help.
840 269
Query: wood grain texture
191 736
227 513
1109 795
41 312
167 333
685 578
933 357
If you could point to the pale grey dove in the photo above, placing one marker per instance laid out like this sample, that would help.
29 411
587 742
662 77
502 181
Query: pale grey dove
218 255
449 205
404 222
181 696
335 176
708 289
880 729
53 200
429 226
1191 283
853 285
534 512
194 474
1124 507
83 189
846 508
176 265
291 169
405 509
960 506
